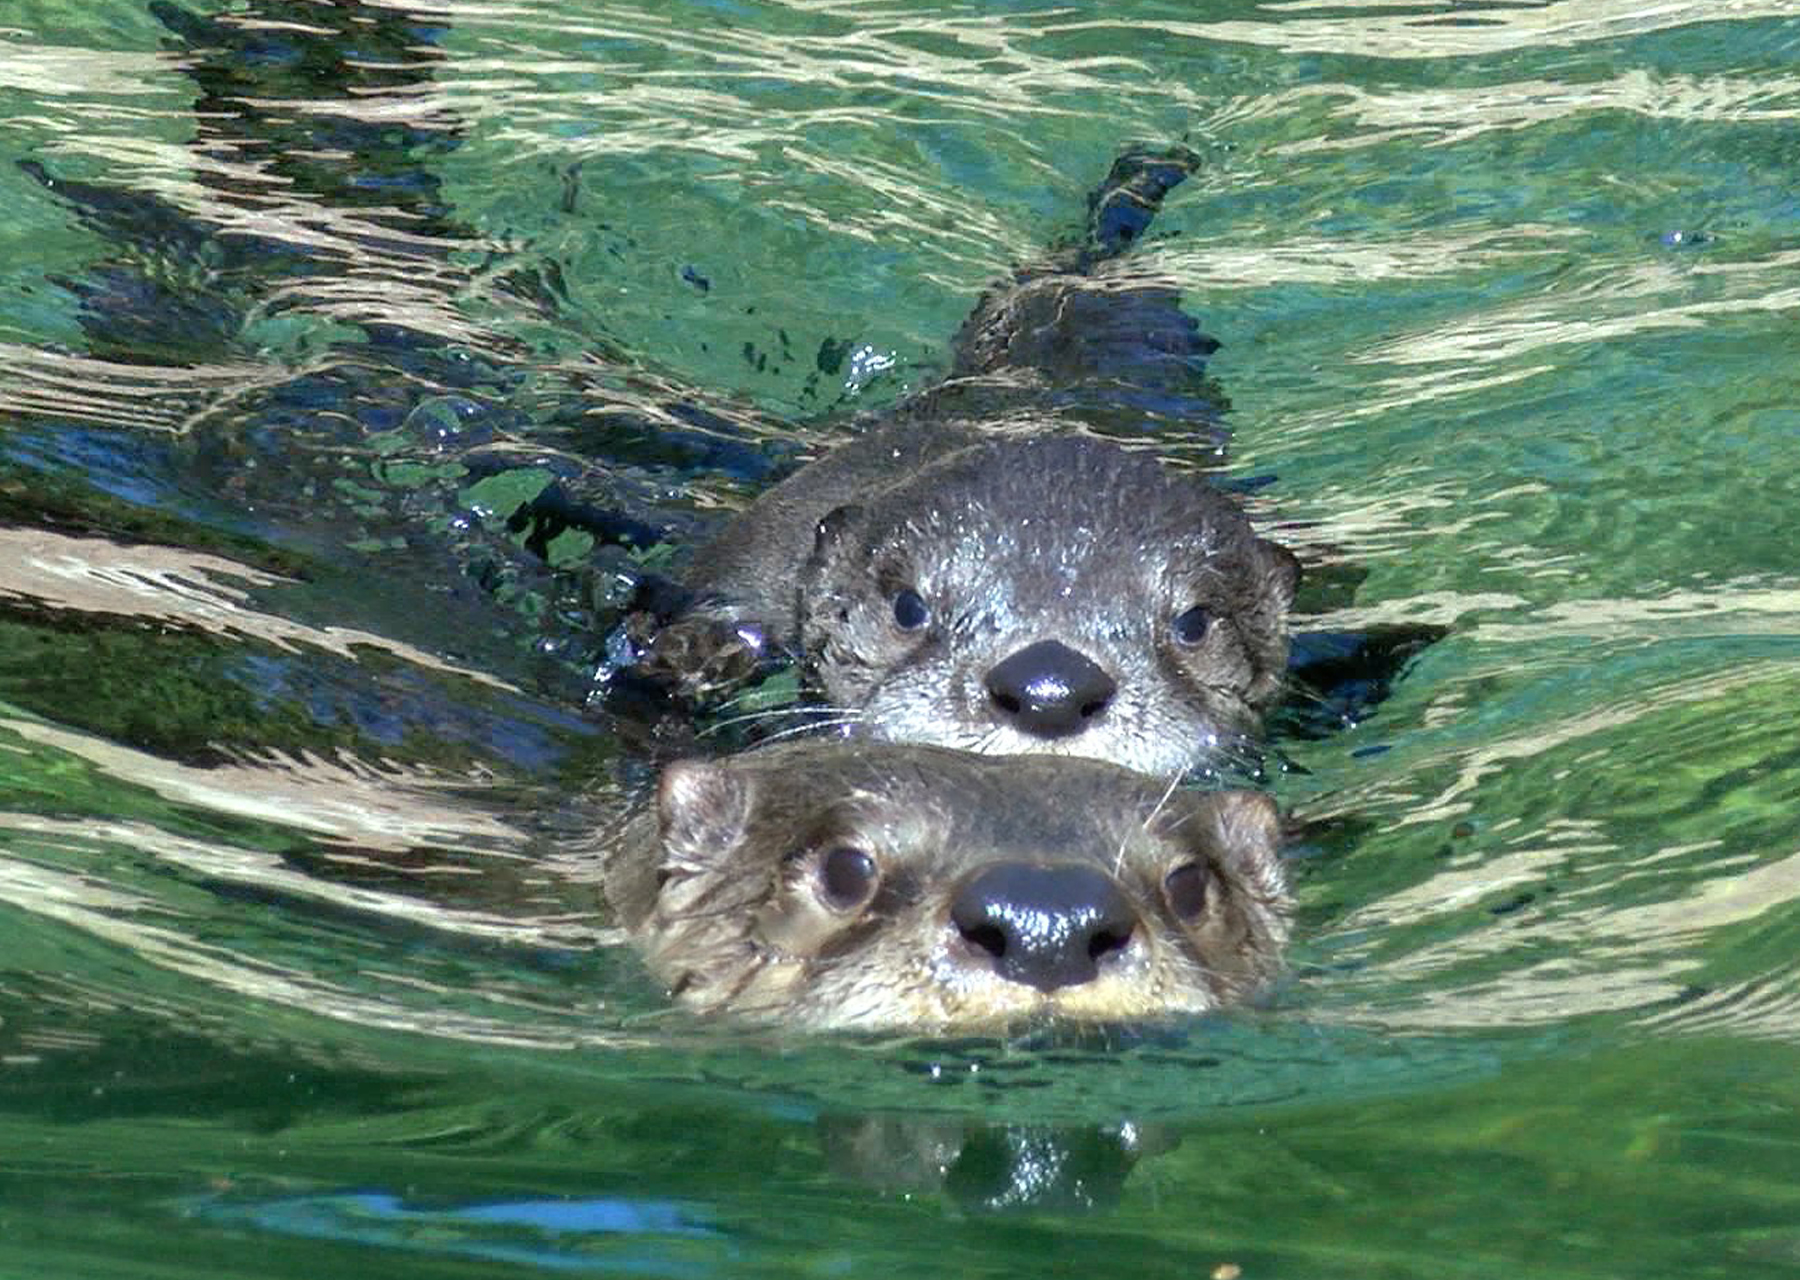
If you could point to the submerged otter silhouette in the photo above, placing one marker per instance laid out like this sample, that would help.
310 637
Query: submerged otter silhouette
867 885
982 571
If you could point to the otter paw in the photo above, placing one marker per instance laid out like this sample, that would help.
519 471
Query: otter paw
701 658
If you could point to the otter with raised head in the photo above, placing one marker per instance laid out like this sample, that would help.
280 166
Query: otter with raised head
878 886
983 572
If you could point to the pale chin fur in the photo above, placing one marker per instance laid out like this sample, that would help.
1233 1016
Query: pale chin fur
1173 750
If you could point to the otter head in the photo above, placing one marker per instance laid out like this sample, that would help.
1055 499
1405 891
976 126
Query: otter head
866 885
1050 594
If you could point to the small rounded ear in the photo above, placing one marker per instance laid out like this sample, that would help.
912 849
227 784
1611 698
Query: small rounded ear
1247 826
1247 817
1283 569
702 808
832 525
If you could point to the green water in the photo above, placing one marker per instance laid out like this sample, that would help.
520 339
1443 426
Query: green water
299 967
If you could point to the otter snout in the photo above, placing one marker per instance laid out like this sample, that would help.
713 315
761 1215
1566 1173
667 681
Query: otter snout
1049 690
1046 927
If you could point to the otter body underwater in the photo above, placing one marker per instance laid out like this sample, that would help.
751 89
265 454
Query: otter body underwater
866 885
980 570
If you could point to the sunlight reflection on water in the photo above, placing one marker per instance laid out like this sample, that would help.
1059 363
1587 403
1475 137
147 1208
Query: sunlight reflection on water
1505 296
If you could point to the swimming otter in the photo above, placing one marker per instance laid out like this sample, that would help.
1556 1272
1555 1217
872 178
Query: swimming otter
879 886
983 572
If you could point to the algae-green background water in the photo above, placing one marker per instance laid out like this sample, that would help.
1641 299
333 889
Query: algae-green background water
296 974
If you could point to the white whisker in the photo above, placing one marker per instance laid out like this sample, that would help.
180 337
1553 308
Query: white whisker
1162 800
804 710
812 727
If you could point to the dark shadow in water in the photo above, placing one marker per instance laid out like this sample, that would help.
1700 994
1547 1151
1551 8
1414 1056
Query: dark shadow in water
426 447
991 1168
978 1169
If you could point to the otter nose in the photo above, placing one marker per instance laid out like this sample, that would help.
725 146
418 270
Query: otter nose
1046 927
1049 690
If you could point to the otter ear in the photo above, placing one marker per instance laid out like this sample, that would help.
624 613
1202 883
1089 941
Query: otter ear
1283 568
1247 816
1247 826
702 808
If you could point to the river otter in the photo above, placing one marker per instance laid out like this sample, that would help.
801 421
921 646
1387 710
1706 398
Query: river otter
981 571
867 885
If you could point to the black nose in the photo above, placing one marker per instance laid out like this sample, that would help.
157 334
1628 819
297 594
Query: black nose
1046 927
1049 690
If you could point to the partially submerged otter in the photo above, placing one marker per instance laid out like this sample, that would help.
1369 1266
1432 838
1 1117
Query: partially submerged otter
973 890
876 886
983 572
1051 594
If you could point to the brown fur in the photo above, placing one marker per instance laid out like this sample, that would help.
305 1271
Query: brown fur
722 886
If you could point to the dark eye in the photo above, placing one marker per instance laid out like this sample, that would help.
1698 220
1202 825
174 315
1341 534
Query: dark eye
1190 626
910 612
1186 890
847 878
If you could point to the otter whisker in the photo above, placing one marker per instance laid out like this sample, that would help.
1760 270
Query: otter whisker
1155 809
751 696
813 727
718 727
800 712
1191 816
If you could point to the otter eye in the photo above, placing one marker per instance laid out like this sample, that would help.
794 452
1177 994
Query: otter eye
1186 888
1191 625
846 878
910 612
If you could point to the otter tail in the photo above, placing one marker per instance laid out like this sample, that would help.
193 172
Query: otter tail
1112 351
1121 208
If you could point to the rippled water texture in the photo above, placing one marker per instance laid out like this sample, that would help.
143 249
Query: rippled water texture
301 970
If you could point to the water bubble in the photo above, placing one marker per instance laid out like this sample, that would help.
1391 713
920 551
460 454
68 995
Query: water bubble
866 364
443 422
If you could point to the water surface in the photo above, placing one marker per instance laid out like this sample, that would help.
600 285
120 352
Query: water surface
302 969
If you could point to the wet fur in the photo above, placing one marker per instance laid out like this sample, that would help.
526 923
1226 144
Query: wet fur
991 496
714 889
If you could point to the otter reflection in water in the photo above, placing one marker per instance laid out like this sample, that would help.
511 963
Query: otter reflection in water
879 886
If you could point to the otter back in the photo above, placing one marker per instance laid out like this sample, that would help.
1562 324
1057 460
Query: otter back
983 571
